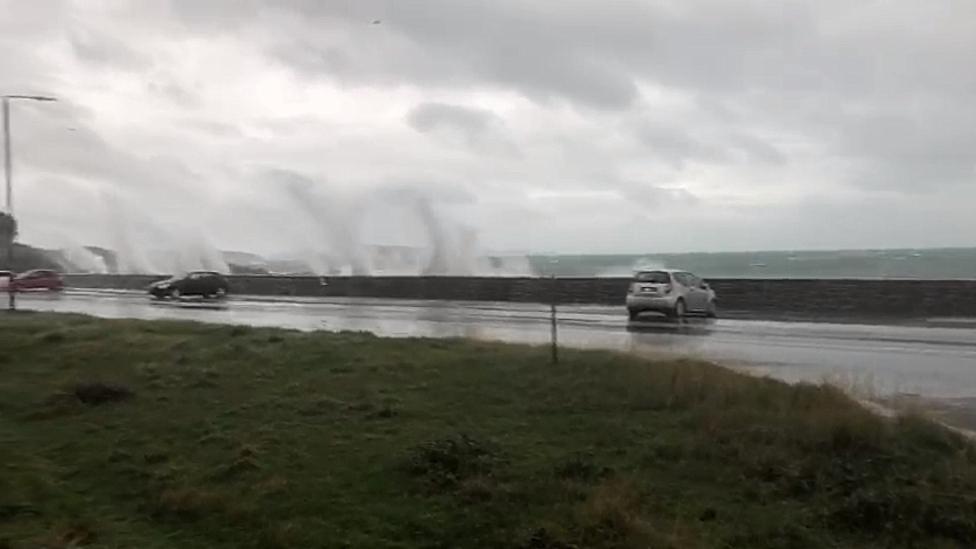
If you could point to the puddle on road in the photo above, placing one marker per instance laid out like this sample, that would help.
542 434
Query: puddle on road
190 304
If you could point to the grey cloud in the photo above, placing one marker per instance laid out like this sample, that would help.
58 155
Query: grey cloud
676 146
589 53
436 191
219 15
878 220
874 101
173 91
809 56
43 143
478 128
97 47
898 152
213 128
431 116
654 196
464 44
754 149
370 190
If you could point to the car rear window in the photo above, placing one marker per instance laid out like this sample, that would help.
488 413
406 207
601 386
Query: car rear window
654 277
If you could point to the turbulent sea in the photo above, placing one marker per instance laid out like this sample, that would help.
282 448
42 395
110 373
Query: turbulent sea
923 263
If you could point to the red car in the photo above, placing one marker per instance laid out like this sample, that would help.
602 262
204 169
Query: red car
38 280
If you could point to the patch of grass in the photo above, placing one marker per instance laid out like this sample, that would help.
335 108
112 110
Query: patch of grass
67 536
612 512
249 437
97 393
444 462
581 467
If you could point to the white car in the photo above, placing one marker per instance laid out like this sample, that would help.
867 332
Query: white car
672 292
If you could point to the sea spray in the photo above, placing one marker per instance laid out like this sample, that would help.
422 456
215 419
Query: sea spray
83 260
336 216
143 246
130 258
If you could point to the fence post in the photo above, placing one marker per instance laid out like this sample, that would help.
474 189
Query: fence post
552 309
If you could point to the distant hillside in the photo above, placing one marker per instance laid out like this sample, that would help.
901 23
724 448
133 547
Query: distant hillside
28 257
108 256
245 262
243 258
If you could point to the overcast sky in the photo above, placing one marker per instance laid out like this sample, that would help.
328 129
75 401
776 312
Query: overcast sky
556 125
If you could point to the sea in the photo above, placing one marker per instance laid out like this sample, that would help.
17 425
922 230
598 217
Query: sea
907 263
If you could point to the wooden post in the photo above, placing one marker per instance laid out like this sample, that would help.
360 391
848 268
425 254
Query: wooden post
555 337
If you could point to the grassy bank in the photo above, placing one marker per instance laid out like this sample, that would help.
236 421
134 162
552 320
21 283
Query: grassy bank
165 434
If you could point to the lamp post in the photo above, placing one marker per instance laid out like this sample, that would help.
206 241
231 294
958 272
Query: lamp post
9 176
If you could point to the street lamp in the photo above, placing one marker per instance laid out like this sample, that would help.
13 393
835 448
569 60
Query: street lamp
8 173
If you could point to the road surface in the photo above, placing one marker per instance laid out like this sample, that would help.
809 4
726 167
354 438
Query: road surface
934 364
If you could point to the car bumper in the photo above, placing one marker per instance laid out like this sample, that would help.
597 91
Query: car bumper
650 303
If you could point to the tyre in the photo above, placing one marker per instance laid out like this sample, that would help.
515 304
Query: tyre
679 309
175 293
221 293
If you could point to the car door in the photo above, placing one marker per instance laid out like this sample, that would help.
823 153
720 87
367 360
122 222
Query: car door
194 284
45 280
685 289
697 296
28 281
42 280
208 284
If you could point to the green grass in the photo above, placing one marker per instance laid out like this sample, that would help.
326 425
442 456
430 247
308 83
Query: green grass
176 434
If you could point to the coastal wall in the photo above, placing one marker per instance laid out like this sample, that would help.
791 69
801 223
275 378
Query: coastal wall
855 298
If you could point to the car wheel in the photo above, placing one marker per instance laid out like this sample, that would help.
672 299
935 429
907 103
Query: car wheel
221 293
174 293
712 311
679 309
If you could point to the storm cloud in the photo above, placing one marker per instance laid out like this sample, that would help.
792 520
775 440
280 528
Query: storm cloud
565 124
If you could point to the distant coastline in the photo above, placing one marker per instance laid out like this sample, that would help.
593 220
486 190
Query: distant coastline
910 263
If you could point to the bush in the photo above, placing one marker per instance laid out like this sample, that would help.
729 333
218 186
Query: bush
445 462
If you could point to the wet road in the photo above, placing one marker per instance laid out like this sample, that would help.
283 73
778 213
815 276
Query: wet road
934 362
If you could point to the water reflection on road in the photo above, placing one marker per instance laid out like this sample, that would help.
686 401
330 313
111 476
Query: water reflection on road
935 362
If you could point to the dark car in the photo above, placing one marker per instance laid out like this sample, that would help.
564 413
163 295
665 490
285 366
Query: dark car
207 284
38 280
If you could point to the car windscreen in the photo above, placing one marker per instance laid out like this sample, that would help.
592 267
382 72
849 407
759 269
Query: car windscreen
654 277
